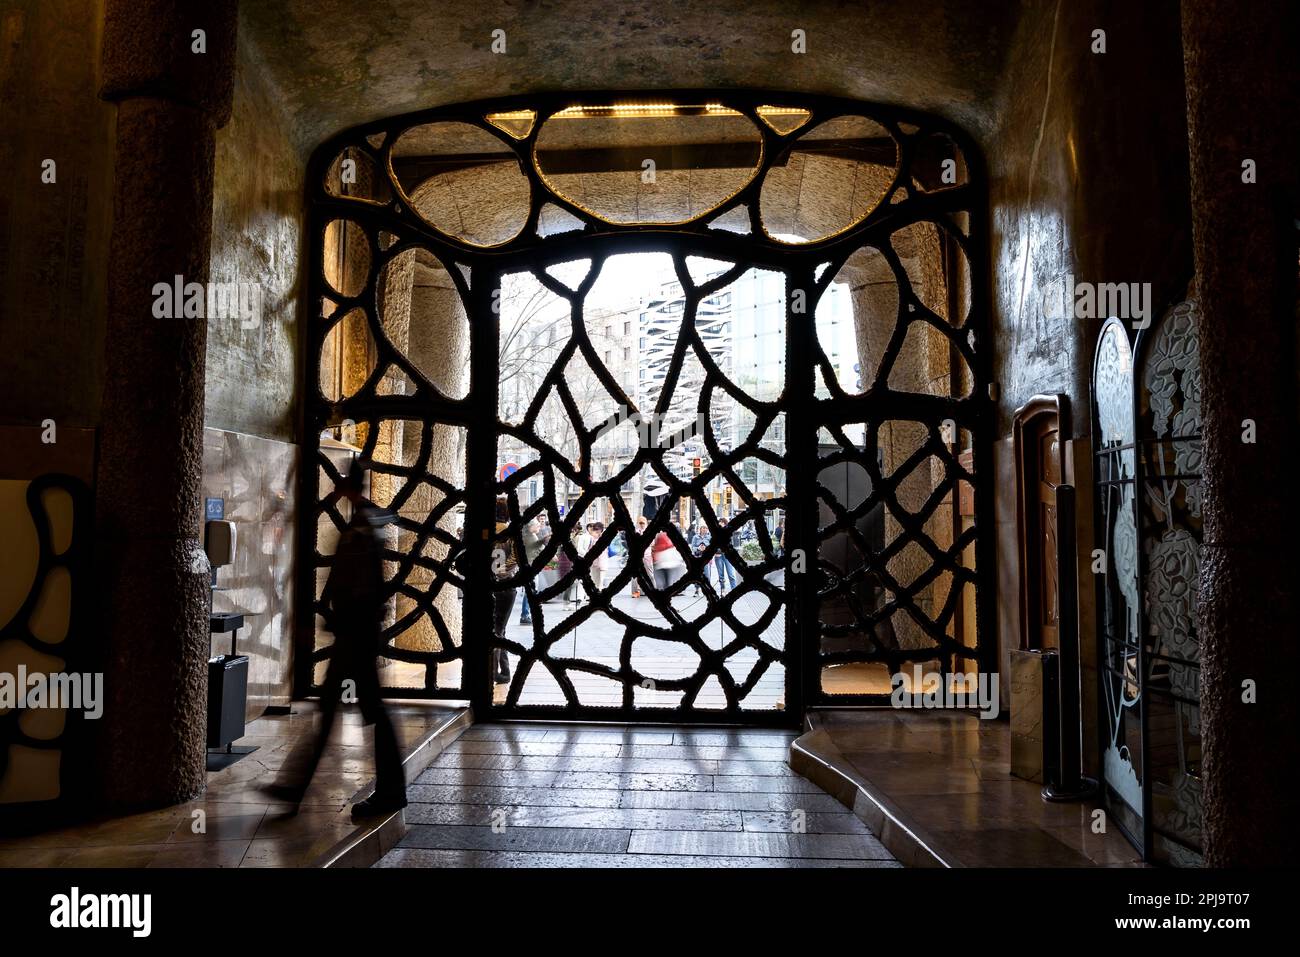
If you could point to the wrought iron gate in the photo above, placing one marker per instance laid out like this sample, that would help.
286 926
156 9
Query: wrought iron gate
458 212
1148 459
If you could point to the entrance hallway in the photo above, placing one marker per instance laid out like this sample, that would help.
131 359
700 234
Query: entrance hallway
925 317
603 796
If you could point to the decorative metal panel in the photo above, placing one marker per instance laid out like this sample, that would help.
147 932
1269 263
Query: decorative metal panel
1149 503
43 753
456 207
1121 650
1169 420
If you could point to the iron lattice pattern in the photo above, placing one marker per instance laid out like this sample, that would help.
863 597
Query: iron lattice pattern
791 390
45 755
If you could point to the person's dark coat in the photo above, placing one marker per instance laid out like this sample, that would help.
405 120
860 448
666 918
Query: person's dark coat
354 591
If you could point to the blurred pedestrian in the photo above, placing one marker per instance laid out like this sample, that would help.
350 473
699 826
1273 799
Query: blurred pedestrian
354 597
667 562
699 544
722 564
505 564
600 563
581 543
642 555
536 535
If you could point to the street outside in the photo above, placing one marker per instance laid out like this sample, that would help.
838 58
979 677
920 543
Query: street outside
598 639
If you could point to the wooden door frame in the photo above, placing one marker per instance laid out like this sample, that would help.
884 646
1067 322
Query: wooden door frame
1026 417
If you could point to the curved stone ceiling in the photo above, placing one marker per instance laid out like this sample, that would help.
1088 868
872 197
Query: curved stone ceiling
339 63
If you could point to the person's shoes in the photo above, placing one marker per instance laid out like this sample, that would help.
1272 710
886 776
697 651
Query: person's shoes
502 675
376 805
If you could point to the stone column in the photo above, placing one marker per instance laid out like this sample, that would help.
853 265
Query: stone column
151 566
920 367
439 346
1241 74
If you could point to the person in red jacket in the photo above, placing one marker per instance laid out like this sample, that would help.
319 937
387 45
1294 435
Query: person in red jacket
667 562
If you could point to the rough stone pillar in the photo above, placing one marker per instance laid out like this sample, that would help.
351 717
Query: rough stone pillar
151 566
1242 77
439 346
919 368
395 317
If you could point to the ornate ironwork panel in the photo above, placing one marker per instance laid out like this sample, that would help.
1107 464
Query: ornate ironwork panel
697 383
44 752
1149 498
1169 526
1121 652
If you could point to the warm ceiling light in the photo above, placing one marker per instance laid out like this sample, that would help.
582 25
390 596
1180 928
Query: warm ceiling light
644 110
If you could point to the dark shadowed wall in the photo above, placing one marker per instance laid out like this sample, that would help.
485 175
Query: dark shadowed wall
250 458
1088 177
53 236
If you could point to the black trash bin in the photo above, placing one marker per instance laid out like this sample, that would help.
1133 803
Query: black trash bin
227 687
227 696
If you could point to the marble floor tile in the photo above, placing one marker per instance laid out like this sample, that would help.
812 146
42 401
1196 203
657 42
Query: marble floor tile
208 854
948 776
626 797
233 824
422 857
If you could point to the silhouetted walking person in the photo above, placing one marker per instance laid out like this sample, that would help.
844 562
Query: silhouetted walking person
504 566
354 598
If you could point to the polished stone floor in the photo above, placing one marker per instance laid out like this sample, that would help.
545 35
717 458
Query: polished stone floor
533 795
233 824
947 776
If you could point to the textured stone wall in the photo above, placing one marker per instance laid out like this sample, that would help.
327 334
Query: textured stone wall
943 56
1088 176
53 236
255 478
150 570
250 456
257 219
1245 240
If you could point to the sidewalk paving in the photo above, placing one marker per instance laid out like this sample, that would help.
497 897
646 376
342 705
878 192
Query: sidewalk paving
598 639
